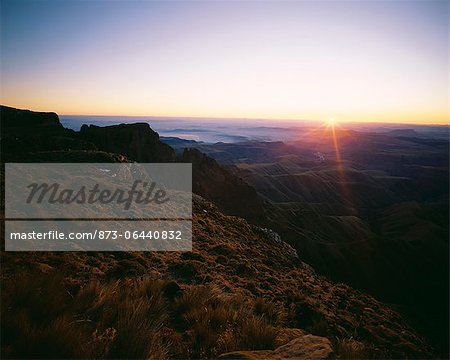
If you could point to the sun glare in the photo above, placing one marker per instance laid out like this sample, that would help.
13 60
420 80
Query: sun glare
331 122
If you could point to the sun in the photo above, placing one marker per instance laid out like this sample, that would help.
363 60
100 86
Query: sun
331 123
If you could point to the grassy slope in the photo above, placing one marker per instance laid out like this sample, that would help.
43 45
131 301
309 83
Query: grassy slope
240 289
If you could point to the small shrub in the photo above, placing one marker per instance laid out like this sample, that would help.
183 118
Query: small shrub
217 323
251 286
61 338
244 270
189 255
255 333
172 290
192 298
307 317
137 332
351 349
221 250
126 267
186 270
222 260
274 313
31 292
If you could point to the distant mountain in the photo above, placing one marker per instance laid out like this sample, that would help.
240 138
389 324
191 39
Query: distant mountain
241 289
377 219
403 132
179 144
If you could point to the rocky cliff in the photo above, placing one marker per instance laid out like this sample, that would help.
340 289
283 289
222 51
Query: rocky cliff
20 122
136 141
37 136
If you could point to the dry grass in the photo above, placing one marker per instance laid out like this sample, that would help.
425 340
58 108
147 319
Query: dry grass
350 349
130 319
217 323
274 313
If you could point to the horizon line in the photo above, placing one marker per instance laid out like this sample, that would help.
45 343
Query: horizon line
291 120
235 118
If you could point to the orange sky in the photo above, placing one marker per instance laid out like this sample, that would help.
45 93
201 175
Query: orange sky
283 60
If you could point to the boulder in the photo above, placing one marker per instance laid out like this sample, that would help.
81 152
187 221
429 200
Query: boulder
305 347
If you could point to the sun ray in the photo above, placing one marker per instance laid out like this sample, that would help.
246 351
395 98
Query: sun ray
331 126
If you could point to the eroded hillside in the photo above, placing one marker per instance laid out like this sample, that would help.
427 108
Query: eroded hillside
232 260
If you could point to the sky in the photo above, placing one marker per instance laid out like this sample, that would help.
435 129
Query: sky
367 61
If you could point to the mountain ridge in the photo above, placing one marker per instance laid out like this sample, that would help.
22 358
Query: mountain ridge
229 254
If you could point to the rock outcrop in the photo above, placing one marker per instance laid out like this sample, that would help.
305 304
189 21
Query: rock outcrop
40 136
25 122
136 141
25 134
